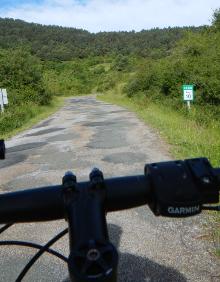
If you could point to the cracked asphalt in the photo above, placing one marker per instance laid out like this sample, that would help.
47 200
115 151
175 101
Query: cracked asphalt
87 133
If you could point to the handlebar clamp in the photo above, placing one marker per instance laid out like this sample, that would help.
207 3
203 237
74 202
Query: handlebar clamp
93 261
96 179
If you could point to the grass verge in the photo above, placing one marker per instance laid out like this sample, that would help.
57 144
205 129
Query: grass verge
31 116
186 137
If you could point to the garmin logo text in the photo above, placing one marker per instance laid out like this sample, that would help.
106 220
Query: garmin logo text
184 210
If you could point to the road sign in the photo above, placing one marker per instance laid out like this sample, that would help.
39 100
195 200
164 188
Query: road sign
188 94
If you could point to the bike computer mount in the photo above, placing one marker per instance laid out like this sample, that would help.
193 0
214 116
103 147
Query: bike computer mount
180 188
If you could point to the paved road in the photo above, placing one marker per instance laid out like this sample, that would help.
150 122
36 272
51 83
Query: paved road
87 133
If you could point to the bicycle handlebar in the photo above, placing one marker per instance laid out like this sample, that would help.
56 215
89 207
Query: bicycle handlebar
47 203
174 189
162 180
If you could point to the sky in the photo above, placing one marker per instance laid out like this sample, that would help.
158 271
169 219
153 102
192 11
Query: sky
111 15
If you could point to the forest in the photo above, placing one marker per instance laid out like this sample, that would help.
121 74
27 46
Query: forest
64 44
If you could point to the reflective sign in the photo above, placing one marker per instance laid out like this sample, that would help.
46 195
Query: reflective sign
188 93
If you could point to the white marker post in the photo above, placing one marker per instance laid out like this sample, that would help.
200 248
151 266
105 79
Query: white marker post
1 101
3 98
188 94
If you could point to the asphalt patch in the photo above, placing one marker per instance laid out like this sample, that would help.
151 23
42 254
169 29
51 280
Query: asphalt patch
63 160
98 123
98 114
27 146
125 158
12 159
108 139
71 108
84 102
44 131
63 137
43 124
118 111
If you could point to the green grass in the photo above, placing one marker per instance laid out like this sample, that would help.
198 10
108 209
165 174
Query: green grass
186 138
30 115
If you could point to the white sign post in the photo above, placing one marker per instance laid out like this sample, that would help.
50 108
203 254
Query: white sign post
188 94
3 99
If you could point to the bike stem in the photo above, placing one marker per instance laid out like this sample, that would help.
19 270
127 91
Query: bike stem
92 256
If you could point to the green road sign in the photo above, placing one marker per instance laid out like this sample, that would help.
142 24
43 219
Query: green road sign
188 94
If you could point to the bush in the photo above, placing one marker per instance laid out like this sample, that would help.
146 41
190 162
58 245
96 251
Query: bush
21 74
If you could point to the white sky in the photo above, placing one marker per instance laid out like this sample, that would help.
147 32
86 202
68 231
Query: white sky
113 15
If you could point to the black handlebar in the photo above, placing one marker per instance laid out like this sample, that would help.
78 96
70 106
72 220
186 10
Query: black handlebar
174 189
47 203
174 183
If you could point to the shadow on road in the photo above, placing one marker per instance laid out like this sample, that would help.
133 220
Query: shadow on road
134 268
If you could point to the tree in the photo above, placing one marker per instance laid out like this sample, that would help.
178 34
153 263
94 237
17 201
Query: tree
216 19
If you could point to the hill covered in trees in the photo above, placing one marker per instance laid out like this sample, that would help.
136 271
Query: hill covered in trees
63 44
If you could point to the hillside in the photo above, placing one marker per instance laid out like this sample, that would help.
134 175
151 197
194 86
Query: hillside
60 43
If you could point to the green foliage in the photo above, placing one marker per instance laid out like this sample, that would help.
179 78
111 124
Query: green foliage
99 70
71 78
194 60
216 19
64 44
121 63
107 82
21 75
